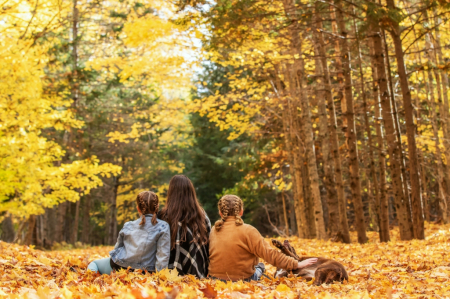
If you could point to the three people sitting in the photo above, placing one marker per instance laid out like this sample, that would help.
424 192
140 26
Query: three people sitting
180 237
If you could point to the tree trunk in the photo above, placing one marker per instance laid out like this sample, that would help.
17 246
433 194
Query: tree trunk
299 155
338 67
60 232
445 105
299 76
384 200
40 231
438 156
418 221
373 173
312 165
113 212
391 135
292 218
324 137
355 184
332 126
309 202
420 154
51 227
7 229
74 83
31 230
86 219
426 206
75 222
399 135
442 171
293 151
286 222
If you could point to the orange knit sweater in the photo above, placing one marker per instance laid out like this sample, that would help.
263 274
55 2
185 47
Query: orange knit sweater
235 251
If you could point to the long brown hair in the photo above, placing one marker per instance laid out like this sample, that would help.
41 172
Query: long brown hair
229 205
182 206
148 203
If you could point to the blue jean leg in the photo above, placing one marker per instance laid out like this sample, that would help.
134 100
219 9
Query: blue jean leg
101 266
259 271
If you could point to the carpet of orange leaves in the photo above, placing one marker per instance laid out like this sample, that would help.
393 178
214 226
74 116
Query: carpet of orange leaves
416 269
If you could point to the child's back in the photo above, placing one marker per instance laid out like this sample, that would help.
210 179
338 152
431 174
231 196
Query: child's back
235 247
145 246
142 244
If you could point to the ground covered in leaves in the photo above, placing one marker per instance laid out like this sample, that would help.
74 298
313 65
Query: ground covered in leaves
416 269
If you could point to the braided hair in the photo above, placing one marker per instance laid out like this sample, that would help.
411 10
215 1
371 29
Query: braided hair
148 203
229 205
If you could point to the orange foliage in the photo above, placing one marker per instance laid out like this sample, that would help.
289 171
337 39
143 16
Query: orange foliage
399 269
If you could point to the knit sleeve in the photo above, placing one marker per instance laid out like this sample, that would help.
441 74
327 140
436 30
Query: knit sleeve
259 247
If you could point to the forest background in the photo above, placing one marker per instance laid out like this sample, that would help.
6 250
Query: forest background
324 116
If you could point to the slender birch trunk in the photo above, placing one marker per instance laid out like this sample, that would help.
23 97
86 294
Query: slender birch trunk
419 151
418 221
440 167
432 62
399 134
75 223
373 173
86 219
293 155
286 222
324 137
391 135
311 156
299 137
355 184
445 116
332 127
299 72
384 201
112 231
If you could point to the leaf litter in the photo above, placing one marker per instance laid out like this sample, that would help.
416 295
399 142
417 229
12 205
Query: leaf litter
398 269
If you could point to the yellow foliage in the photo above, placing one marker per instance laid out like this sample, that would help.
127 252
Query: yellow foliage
32 173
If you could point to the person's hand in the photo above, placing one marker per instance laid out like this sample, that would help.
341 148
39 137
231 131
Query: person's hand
306 263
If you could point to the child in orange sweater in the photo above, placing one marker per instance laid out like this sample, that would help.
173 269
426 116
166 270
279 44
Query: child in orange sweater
235 248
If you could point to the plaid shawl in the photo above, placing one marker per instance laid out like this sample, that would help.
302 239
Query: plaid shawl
190 257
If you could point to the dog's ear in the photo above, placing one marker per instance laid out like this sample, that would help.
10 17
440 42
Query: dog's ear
291 249
283 248
277 244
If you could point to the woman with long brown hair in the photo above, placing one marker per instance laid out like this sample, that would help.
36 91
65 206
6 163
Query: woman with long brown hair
189 228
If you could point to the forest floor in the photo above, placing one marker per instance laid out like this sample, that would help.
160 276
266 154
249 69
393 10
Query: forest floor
416 269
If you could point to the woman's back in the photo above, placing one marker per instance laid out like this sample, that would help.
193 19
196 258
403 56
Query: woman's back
189 228
189 256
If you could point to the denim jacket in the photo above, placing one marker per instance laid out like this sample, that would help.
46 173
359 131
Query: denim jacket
145 247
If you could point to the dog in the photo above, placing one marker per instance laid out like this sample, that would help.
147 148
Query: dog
324 270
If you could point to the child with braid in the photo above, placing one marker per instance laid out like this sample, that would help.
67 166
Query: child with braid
235 248
142 244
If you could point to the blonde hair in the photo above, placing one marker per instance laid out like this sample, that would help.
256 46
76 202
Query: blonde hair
229 205
148 202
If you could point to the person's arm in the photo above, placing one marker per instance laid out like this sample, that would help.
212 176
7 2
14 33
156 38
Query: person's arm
259 247
163 249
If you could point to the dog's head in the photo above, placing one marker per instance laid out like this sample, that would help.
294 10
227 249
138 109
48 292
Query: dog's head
280 273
